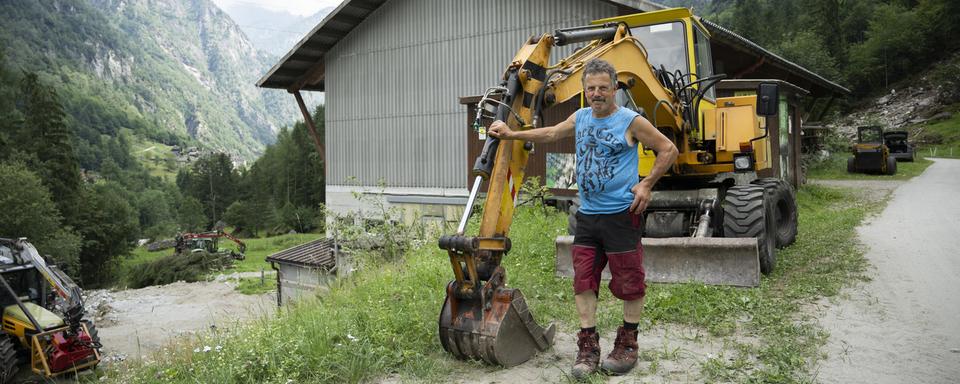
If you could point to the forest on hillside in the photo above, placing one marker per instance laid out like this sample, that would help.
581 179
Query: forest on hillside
86 218
865 45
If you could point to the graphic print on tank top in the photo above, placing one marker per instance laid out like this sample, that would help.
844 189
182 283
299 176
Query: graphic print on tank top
599 160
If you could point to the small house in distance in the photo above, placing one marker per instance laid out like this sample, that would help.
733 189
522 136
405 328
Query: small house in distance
303 269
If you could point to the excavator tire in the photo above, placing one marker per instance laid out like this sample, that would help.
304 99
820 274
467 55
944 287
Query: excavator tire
92 330
851 166
9 364
786 209
891 165
748 211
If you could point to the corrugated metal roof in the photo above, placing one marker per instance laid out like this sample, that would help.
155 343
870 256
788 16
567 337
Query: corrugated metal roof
303 68
721 33
320 253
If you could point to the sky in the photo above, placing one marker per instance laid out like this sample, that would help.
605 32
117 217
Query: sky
296 7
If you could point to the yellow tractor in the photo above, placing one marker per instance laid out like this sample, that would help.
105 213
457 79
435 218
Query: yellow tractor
871 154
42 316
711 218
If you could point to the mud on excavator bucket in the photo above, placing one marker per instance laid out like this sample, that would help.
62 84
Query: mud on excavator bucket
501 333
487 321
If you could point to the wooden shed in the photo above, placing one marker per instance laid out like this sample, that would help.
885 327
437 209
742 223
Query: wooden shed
303 269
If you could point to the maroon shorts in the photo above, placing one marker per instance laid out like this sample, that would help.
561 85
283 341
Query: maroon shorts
613 238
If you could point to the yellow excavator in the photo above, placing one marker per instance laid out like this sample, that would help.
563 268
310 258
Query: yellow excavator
43 316
711 219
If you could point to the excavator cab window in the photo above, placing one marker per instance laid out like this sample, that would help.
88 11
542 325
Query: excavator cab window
701 46
6 255
26 284
666 46
624 98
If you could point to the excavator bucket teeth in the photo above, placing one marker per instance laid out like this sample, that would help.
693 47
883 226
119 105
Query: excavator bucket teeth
504 333
709 260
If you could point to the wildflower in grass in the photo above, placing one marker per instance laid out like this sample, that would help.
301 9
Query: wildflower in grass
206 348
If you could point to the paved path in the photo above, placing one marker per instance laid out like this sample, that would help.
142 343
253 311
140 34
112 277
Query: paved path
904 325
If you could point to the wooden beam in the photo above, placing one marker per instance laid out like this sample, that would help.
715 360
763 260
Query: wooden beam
751 69
311 76
313 132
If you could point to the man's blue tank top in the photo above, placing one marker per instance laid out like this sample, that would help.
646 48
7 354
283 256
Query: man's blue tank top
606 163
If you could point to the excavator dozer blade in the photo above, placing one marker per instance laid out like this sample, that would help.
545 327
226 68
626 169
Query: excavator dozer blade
504 333
709 260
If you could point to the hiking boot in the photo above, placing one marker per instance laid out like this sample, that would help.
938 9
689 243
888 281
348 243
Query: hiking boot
624 355
589 355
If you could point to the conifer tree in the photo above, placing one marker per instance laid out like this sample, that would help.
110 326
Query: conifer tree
44 127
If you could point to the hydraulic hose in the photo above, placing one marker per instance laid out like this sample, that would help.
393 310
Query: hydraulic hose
483 166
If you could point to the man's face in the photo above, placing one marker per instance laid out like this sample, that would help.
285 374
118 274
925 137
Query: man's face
599 90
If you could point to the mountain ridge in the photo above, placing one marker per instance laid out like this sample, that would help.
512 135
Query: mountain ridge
164 68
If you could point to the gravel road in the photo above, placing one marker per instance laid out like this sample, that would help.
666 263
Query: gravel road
135 323
904 325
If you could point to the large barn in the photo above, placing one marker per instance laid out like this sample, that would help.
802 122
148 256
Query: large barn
394 72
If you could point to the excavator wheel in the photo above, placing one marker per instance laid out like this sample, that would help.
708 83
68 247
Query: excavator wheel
891 165
8 359
748 211
851 166
786 209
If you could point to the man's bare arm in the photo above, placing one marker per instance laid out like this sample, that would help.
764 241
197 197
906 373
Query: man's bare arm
651 138
564 129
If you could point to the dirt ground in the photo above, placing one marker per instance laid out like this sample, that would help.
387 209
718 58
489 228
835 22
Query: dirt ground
669 354
137 322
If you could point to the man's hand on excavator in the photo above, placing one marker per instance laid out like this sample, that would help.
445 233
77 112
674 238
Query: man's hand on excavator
499 130
641 197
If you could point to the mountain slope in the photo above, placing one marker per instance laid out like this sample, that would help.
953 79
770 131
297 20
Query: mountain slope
165 68
274 32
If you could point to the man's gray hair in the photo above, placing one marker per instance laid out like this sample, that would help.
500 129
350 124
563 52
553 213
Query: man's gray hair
598 66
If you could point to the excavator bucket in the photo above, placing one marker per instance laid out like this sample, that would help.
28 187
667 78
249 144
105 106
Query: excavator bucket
503 332
709 260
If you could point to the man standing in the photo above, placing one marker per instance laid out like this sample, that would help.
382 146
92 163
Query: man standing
608 219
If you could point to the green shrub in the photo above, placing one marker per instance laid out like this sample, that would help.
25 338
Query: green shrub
189 267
